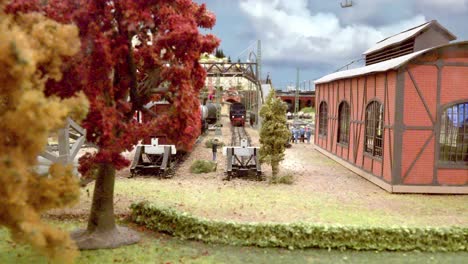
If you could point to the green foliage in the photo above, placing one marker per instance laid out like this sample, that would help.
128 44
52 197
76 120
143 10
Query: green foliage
283 179
209 143
299 235
160 248
309 110
274 132
219 53
203 166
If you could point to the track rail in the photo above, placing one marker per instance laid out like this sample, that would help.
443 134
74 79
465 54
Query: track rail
243 163
239 133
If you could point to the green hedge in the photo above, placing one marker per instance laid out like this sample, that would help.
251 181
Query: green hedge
299 235
202 166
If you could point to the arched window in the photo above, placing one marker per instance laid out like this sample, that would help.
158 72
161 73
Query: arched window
374 129
323 119
343 123
454 134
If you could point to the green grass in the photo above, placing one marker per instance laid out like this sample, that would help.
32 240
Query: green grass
158 248
283 179
261 202
290 203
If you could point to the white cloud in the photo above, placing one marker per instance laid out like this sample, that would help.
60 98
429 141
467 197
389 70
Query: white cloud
293 35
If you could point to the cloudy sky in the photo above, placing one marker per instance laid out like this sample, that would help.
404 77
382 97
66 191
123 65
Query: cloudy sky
318 36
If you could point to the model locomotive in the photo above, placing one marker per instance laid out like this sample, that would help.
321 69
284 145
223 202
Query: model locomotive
237 114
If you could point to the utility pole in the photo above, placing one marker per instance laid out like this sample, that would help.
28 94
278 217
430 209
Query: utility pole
218 131
259 85
259 60
296 101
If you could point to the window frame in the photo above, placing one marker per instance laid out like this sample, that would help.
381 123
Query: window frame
343 138
376 150
463 163
323 120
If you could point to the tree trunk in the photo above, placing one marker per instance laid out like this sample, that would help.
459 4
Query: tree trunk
101 218
274 170
102 232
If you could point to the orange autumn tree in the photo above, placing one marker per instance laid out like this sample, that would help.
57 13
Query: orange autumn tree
32 49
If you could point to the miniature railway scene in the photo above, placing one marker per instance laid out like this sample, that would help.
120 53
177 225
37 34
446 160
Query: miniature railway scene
251 131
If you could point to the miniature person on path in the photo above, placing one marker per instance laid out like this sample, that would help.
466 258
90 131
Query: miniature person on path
308 133
294 133
301 134
298 134
214 148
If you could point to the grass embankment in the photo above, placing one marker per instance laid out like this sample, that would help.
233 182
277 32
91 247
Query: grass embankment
244 201
259 201
157 248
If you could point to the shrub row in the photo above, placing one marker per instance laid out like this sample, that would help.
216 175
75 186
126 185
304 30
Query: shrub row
299 235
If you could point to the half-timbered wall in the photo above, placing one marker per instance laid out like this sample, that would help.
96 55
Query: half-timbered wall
431 83
413 97
358 92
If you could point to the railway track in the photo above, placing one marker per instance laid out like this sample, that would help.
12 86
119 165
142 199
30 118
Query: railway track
239 133
242 162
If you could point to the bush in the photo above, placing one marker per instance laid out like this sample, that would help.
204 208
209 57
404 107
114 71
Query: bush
283 179
308 110
203 166
299 235
209 143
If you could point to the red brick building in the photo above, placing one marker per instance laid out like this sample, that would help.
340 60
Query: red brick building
306 99
401 121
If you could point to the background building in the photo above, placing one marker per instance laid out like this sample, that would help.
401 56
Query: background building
402 120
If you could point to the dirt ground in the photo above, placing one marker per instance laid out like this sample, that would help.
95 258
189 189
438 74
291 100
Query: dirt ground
323 191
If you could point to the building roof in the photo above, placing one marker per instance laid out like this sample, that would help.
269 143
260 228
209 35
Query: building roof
293 93
402 36
379 67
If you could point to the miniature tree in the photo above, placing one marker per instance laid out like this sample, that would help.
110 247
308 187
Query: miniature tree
130 51
219 53
274 132
33 48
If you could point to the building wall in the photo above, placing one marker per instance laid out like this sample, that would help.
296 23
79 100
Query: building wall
414 98
431 37
304 101
358 92
430 84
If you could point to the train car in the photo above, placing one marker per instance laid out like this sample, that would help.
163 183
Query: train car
237 114
212 112
204 115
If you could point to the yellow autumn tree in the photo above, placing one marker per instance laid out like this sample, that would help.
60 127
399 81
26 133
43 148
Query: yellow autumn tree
32 49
